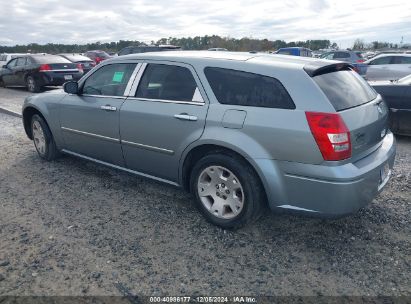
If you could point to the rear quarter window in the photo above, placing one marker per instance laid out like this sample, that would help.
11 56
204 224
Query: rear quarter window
247 89
345 89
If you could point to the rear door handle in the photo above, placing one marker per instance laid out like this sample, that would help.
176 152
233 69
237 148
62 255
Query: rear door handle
185 116
108 108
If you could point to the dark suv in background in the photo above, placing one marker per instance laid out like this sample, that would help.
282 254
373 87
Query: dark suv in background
147 48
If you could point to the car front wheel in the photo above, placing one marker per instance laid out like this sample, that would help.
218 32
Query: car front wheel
227 190
43 139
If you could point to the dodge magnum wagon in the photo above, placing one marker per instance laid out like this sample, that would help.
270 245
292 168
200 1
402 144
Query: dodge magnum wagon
240 131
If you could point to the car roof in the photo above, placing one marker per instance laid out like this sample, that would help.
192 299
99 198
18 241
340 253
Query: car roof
392 54
193 57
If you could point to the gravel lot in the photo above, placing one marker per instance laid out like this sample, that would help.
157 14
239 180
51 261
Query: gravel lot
71 227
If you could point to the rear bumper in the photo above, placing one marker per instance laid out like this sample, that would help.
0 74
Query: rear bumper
327 190
56 79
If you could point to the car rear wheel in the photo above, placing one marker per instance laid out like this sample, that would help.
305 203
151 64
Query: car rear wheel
32 85
227 191
2 85
43 139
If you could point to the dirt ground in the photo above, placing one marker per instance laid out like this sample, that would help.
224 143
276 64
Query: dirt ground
71 227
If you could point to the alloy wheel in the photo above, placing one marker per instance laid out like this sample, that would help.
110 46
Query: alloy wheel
220 192
38 138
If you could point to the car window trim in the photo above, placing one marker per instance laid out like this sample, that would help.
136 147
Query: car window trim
126 90
139 76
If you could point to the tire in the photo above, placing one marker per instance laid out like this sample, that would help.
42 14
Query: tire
240 199
43 139
32 85
2 84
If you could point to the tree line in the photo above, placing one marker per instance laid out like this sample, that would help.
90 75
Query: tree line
196 43
189 43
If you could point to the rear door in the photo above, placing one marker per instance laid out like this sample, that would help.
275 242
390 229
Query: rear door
379 69
400 67
8 73
20 70
362 109
166 114
90 120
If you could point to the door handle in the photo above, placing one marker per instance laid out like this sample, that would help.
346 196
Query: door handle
185 116
108 108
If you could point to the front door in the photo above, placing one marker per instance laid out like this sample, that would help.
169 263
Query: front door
167 113
90 120
8 73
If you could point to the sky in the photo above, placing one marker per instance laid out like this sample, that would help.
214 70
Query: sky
76 21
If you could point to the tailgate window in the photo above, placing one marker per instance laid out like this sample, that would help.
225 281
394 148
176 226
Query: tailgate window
345 89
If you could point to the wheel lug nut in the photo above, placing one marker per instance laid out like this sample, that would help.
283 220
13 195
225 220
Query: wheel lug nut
218 194
227 191
217 186
223 185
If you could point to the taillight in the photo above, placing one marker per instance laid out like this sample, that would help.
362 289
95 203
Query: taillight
98 60
44 67
331 134
80 67
360 60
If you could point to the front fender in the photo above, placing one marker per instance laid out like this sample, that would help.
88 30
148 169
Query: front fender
48 105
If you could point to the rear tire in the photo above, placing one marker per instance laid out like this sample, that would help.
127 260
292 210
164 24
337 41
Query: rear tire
32 85
227 190
43 139
2 84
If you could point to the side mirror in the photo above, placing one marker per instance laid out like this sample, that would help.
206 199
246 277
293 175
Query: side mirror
4 66
71 87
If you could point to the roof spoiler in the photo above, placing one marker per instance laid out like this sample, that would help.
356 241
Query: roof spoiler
318 68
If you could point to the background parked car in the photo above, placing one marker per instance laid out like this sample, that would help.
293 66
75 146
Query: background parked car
295 51
37 71
4 58
97 56
397 95
83 62
217 50
355 58
389 67
147 48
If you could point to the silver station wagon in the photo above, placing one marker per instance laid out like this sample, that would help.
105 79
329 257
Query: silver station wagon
240 131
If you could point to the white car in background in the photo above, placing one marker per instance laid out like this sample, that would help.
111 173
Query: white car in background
388 67
4 58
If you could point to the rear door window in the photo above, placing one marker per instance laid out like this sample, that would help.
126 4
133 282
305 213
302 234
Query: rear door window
167 82
381 60
247 89
345 89
402 60
338 55
109 80
21 61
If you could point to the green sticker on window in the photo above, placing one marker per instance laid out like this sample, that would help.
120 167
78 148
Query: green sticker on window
118 76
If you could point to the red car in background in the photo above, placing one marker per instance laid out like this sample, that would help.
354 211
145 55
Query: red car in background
97 56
